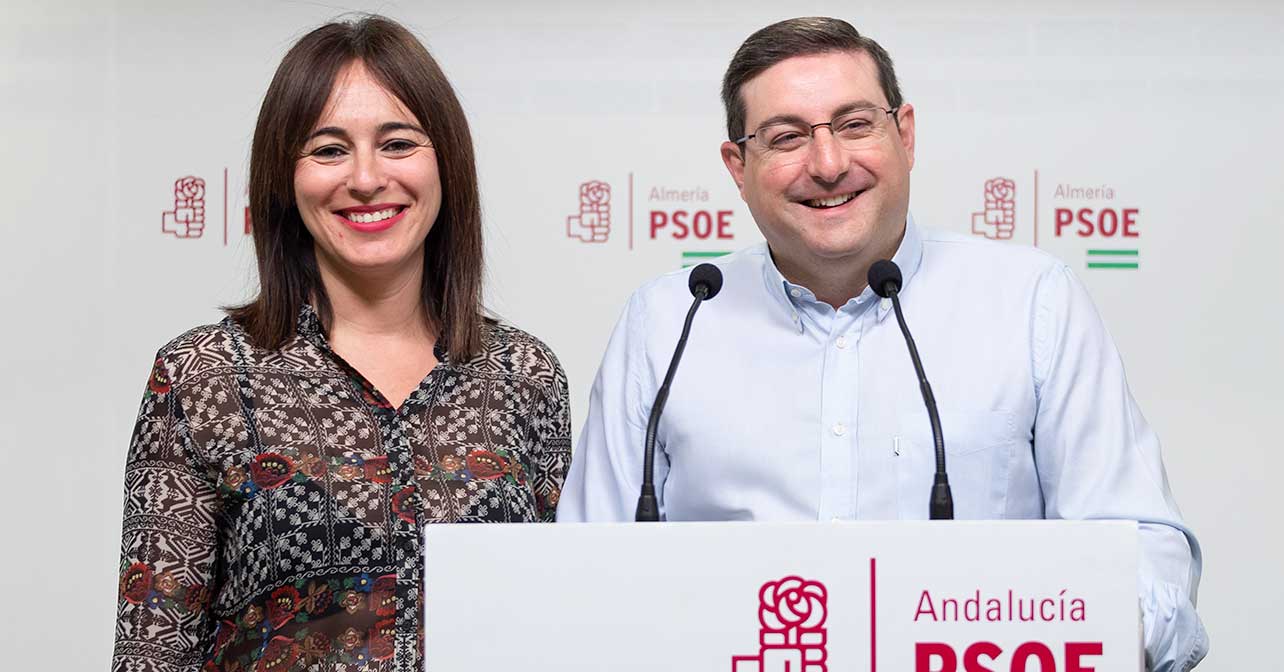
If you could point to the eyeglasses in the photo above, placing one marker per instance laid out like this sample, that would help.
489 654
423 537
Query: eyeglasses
856 129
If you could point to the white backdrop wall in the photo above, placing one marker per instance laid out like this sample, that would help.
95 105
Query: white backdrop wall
1170 110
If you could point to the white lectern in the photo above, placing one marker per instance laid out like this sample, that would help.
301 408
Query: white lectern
957 596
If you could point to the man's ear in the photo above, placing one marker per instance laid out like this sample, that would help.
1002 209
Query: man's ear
906 125
734 159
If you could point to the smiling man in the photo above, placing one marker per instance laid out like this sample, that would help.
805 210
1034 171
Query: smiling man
797 400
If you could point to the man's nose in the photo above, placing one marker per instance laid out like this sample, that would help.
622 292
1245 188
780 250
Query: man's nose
826 160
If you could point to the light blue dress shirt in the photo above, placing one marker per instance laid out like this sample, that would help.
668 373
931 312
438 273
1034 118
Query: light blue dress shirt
784 408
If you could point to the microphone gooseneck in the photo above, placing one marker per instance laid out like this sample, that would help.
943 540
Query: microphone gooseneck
705 282
885 279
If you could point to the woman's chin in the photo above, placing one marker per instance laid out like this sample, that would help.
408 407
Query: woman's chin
381 264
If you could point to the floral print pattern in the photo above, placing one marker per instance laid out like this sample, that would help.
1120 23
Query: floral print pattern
274 499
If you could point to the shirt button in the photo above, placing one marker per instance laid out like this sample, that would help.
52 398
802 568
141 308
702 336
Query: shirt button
795 317
841 342
795 293
839 429
885 304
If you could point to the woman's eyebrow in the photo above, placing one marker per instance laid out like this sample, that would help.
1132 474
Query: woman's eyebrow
386 127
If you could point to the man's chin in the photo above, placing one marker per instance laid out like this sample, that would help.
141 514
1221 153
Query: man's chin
816 256
852 240
830 257
837 247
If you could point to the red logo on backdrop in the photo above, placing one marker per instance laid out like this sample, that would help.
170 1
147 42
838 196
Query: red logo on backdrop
187 219
792 637
998 220
593 223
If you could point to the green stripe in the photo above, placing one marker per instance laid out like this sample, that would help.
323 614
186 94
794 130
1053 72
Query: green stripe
1100 264
1113 253
702 255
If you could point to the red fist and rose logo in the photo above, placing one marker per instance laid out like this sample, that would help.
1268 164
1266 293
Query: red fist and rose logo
187 219
792 635
998 220
593 223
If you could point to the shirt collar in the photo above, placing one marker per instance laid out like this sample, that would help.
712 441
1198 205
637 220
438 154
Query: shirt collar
310 329
909 256
778 289
309 324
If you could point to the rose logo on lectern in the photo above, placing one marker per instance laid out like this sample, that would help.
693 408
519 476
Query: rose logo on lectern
998 221
593 223
792 636
187 219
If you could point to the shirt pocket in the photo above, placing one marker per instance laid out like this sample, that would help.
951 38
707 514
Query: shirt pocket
979 449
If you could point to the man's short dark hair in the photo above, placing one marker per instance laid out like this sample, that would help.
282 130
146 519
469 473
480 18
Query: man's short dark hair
804 36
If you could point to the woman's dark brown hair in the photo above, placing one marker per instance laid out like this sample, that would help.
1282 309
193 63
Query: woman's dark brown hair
288 275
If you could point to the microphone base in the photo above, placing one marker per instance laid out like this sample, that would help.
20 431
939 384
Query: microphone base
648 508
941 506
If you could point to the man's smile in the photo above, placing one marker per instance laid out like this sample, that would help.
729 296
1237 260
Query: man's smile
827 202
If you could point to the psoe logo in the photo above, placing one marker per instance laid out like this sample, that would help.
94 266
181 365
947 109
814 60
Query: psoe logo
592 224
1092 215
792 634
998 220
187 219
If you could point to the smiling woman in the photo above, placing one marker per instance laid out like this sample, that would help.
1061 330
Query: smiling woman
285 459
367 186
343 110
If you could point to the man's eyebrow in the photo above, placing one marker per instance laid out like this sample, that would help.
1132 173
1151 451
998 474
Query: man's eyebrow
386 127
857 105
782 119
844 109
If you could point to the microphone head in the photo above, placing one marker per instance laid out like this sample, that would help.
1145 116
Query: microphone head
709 276
884 277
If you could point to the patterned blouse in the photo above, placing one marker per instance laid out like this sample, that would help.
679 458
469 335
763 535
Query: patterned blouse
273 499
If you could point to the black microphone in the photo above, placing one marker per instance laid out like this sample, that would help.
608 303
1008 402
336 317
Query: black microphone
885 279
704 283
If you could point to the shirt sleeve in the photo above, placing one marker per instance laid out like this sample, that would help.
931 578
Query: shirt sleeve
606 470
169 540
553 454
1097 458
